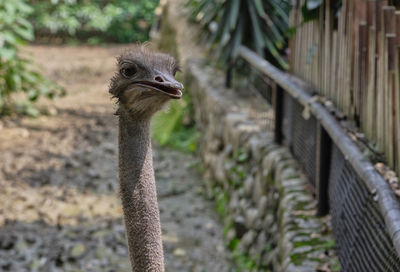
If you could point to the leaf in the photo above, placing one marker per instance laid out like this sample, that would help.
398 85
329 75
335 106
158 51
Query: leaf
33 95
223 27
258 36
242 157
260 8
24 33
234 13
291 31
17 81
237 38
262 22
8 37
276 7
278 57
7 54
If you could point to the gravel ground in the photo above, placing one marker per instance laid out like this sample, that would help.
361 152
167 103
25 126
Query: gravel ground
59 206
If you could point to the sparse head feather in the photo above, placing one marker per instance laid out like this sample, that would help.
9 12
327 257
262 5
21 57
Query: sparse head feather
145 80
149 58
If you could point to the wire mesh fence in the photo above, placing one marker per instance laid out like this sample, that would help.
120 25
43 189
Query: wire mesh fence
365 212
362 241
300 135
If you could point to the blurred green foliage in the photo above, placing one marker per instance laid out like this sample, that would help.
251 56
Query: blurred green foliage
16 72
175 127
94 21
262 25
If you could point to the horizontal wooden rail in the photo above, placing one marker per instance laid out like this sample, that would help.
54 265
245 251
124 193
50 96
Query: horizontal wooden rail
377 186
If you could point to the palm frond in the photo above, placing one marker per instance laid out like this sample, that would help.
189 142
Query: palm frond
259 24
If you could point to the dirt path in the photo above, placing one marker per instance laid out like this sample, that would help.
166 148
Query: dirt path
59 207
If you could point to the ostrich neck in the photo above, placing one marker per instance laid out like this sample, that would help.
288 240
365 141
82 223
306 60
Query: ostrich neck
138 194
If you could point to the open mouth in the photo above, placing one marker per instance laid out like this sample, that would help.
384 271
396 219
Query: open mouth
170 90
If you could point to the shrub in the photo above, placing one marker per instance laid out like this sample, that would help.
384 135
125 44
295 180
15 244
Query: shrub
94 20
16 73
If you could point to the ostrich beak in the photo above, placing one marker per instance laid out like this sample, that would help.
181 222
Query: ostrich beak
165 84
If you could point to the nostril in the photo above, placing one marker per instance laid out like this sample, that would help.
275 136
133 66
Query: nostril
159 79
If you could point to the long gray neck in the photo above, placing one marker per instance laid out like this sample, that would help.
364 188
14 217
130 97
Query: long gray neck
139 195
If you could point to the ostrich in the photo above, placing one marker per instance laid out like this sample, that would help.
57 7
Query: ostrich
144 82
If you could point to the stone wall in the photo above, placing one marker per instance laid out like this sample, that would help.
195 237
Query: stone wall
266 204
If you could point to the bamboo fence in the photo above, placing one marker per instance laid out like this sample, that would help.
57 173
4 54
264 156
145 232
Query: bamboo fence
352 57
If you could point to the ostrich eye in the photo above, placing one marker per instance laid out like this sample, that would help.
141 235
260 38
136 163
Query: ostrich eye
128 72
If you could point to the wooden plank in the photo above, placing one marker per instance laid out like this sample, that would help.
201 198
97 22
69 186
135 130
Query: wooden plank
371 78
371 85
397 94
327 64
334 68
347 101
344 59
362 77
389 66
380 83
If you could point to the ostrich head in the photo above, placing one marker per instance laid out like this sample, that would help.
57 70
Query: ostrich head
145 81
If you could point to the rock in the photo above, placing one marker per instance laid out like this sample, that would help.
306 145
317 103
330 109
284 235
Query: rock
71 210
309 223
251 216
269 220
21 247
101 253
244 204
262 205
234 202
179 252
208 158
261 243
93 173
301 250
290 173
268 257
294 183
219 169
248 185
232 119
78 250
214 145
241 194
231 235
247 129
258 190
255 144
304 267
247 240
